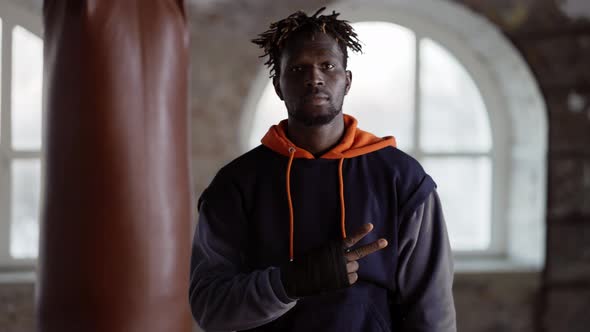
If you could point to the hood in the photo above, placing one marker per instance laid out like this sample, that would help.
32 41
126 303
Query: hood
355 142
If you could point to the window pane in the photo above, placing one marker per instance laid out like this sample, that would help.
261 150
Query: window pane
382 93
27 76
270 111
464 186
24 231
453 117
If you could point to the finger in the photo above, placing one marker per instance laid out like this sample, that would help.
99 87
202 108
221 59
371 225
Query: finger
357 235
352 278
352 266
365 250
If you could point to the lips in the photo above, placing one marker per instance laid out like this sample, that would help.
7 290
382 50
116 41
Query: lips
317 98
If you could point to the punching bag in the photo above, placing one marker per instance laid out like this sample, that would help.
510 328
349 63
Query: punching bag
116 211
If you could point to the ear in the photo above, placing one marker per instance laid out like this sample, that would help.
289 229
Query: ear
277 85
348 81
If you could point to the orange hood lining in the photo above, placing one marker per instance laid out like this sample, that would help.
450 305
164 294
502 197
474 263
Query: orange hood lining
354 143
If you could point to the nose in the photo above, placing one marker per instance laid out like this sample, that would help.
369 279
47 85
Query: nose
314 78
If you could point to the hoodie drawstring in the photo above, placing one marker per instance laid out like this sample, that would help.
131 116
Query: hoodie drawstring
342 208
290 200
291 218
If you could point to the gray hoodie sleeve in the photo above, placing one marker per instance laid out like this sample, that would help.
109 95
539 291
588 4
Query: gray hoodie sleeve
425 271
222 296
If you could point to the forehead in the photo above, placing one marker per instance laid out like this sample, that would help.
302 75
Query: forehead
315 44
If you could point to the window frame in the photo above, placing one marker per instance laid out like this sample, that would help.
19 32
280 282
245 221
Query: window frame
12 16
496 154
517 116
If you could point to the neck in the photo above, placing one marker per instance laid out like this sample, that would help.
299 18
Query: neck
317 140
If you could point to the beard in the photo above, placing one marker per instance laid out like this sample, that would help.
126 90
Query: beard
315 120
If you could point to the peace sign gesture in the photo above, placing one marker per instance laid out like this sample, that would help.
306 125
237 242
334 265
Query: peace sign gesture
353 255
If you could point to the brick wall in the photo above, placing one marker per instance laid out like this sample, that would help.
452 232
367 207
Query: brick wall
554 38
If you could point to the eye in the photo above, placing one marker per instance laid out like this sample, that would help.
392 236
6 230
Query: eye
295 69
329 66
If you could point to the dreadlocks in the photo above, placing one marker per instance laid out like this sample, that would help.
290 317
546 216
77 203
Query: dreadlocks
273 40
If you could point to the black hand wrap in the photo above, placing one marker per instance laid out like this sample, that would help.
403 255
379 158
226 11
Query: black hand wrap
317 272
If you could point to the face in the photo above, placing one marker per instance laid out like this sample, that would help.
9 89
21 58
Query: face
312 80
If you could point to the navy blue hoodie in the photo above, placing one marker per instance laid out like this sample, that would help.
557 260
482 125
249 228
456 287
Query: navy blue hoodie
278 201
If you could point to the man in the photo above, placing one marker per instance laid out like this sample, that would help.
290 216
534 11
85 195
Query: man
324 227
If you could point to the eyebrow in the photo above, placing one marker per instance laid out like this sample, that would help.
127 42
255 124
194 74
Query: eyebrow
325 53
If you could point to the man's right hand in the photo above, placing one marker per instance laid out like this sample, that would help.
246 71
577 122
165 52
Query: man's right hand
354 255
333 266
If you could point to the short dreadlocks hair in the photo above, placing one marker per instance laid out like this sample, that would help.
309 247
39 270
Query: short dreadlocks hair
273 40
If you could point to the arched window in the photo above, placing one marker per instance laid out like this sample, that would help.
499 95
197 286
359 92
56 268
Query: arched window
21 81
446 101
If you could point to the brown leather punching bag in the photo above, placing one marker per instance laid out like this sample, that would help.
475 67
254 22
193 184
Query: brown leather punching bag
115 233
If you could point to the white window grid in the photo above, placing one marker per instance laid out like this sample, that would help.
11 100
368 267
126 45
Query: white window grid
497 232
517 114
11 17
496 155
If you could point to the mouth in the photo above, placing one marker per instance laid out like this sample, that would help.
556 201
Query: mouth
317 99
